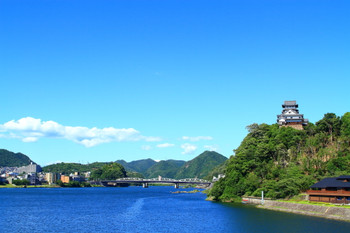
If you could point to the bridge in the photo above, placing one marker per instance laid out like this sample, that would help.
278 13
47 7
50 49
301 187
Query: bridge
146 182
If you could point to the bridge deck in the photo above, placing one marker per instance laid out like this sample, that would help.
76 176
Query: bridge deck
148 181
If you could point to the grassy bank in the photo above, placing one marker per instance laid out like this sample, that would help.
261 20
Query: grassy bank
315 203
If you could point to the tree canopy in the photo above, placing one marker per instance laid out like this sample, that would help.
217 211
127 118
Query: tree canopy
283 161
110 171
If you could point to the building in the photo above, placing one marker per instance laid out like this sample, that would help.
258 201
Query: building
291 117
51 178
33 179
333 190
218 178
65 179
78 178
31 168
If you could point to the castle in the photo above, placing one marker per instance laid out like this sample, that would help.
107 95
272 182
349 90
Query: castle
290 116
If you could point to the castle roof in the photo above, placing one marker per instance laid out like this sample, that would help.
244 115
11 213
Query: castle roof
293 102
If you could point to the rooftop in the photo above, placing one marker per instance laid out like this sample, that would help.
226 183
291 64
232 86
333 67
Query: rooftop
290 103
333 182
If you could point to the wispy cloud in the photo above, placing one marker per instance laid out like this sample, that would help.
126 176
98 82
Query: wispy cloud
29 129
196 139
188 148
164 145
210 147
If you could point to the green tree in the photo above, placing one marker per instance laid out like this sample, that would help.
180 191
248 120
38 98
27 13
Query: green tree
110 171
345 127
21 182
330 124
283 161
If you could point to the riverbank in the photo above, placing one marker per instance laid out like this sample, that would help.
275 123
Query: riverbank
324 211
28 186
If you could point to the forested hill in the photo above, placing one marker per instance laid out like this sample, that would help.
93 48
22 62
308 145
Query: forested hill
140 166
201 165
11 159
283 161
67 168
164 168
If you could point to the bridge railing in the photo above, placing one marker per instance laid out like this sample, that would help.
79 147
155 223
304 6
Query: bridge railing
163 179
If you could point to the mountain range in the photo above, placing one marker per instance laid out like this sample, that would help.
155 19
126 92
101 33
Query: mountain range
200 167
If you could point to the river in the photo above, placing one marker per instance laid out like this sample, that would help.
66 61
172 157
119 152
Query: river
136 209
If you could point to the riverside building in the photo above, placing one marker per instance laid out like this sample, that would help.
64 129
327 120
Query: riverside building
51 177
332 189
291 117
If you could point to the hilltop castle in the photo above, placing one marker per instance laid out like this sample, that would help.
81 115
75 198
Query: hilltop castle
290 116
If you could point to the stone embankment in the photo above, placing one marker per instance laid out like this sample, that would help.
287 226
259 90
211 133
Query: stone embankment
338 213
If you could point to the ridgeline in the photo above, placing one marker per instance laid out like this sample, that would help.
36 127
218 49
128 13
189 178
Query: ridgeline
11 159
201 166
164 168
282 161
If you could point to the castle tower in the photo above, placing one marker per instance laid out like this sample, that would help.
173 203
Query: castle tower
290 116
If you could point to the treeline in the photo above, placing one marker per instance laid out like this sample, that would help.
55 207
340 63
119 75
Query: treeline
110 171
283 162
199 167
10 159
68 168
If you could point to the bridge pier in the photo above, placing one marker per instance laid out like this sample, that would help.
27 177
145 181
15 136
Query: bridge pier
145 185
176 185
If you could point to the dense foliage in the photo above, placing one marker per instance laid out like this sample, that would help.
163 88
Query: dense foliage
283 161
110 171
164 168
68 168
21 182
201 165
220 169
10 159
140 166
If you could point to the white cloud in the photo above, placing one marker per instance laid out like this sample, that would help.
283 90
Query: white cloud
30 129
188 148
30 139
146 147
210 148
164 145
196 139
55 162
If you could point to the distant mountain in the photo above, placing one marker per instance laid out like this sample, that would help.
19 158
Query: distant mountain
140 166
201 165
164 168
125 165
11 159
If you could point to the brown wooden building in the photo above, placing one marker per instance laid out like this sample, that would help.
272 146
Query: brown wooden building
333 190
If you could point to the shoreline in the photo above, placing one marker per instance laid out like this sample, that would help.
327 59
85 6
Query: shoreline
328 212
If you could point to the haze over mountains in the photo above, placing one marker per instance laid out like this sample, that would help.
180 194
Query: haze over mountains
198 167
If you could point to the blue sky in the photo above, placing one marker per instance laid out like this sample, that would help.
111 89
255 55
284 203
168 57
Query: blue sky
85 81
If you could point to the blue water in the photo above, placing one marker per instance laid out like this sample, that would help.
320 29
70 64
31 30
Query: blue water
135 209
